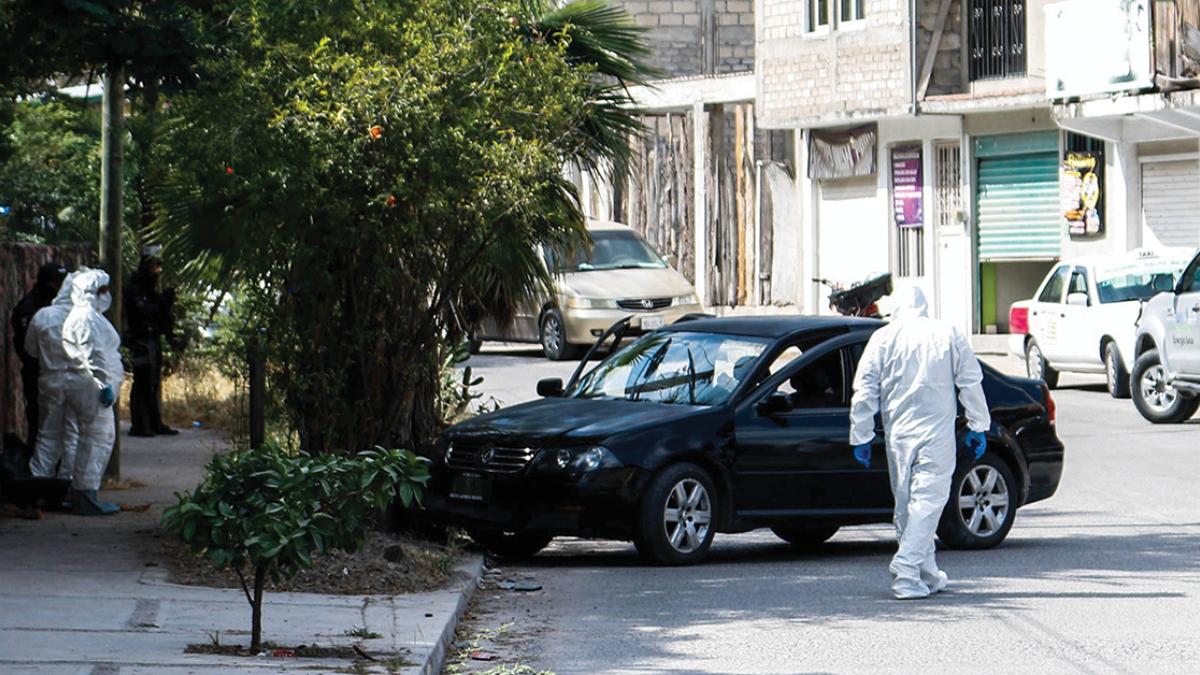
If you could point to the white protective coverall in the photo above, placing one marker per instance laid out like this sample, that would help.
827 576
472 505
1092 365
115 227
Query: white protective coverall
58 430
94 361
909 370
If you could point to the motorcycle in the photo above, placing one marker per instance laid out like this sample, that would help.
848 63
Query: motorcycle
860 298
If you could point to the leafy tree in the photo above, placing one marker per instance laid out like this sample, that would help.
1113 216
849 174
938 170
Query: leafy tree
270 513
378 175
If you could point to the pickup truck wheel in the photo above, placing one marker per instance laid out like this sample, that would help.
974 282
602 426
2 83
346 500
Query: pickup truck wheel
1036 366
1154 398
982 505
1114 372
806 538
676 521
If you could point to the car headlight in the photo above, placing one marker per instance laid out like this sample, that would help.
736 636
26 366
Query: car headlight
591 303
687 300
580 460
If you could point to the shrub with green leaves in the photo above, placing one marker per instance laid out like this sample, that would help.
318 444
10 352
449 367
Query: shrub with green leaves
272 512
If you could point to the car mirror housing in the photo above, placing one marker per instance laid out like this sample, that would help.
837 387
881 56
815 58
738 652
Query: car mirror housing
550 387
774 404
1163 283
673 261
1077 299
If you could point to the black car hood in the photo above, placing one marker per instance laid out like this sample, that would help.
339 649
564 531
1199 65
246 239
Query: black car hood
569 420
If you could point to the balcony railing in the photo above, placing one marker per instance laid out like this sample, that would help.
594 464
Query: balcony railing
997 39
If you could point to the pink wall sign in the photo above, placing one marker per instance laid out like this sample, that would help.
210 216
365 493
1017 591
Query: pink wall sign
907 186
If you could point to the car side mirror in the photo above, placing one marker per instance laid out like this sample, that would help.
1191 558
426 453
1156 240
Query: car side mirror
1163 283
773 405
550 387
1077 299
673 261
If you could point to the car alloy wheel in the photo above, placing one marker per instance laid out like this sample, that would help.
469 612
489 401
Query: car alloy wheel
1033 361
677 516
687 516
1157 394
984 501
982 504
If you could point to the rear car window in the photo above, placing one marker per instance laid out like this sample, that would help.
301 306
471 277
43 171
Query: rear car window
1053 292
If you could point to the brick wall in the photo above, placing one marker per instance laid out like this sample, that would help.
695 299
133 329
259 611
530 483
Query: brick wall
859 70
675 34
948 76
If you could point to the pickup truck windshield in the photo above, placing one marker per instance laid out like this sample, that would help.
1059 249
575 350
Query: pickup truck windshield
677 368
1134 281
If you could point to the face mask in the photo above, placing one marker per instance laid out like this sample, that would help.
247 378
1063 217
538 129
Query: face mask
103 302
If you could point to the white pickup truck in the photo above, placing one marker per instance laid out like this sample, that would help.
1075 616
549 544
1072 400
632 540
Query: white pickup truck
1083 317
1166 375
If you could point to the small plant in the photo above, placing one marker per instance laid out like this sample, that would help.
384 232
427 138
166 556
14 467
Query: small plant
362 632
271 512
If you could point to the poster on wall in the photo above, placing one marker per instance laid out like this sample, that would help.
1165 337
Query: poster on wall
1080 189
842 154
908 183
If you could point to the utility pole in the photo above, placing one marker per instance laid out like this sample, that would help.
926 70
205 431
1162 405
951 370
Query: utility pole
112 204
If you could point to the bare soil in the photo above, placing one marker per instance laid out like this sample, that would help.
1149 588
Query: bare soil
415 565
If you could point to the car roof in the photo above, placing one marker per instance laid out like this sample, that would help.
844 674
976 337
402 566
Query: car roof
606 225
774 327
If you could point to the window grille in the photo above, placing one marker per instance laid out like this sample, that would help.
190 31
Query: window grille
997 39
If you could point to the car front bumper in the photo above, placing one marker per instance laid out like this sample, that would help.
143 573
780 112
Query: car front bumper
585 325
601 503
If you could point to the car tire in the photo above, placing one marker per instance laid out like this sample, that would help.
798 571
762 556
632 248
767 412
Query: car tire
677 516
510 545
806 538
553 335
982 505
1156 400
1114 372
1037 367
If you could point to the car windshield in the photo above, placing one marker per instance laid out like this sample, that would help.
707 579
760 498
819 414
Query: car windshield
1134 281
615 250
674 367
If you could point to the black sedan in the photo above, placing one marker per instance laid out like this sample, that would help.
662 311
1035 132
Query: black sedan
721 425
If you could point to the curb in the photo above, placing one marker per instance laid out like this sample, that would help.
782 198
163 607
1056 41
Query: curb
473 569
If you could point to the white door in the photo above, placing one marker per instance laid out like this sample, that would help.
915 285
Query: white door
1183 334
1076 344
1046 314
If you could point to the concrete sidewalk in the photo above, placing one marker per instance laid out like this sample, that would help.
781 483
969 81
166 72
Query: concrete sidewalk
86 595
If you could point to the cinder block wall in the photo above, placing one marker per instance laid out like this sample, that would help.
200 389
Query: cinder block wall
861 70
675 37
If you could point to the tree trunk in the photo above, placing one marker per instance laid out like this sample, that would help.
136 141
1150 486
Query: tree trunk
112 204
260 577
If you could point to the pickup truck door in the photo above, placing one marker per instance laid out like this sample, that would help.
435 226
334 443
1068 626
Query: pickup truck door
1046 313
1078 343
1183 330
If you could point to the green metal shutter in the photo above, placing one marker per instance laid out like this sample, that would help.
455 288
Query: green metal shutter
1017 199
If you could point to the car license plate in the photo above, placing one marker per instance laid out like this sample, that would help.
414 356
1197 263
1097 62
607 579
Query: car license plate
652 322
470 487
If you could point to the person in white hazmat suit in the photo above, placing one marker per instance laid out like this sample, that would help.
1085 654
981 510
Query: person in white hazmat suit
59 432
94 376
909 370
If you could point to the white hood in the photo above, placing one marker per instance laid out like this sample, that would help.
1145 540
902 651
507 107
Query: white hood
910 304
84 288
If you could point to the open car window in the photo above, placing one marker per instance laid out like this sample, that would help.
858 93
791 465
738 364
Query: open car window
821 383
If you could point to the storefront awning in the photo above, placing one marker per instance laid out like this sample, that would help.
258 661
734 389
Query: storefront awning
1134 119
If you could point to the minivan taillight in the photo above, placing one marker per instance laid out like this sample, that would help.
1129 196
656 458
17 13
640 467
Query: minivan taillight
1051 407
1018 320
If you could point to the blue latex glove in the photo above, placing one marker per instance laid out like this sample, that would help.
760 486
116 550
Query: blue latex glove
107 397
863 454
976 439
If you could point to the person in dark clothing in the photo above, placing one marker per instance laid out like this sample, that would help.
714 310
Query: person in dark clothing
148 318
49 280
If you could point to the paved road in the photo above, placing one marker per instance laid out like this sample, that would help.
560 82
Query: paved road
1102 578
